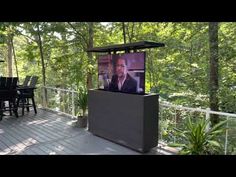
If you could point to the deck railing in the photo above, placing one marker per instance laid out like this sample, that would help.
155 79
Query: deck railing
170 116
59 100
174 115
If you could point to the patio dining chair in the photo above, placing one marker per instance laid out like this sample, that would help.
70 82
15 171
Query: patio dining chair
26 81
8 94
26 93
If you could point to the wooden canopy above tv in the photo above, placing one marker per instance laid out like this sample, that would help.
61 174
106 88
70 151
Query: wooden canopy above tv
127 47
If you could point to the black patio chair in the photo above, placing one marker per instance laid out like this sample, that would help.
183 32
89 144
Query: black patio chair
3 82
26 81
8 93
25 93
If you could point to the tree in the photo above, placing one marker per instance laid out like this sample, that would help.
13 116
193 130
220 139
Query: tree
9 49
180 72
7 34
124 32
14 54
213 77
90 55
85 33
39 42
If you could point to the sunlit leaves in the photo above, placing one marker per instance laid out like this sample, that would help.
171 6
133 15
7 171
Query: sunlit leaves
178 71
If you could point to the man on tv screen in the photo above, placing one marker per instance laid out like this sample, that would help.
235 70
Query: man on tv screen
121 80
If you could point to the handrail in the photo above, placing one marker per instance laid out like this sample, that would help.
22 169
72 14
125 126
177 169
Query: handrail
199 110
54 88
208 111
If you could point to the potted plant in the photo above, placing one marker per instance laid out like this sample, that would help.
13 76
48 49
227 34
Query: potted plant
198 139
83 104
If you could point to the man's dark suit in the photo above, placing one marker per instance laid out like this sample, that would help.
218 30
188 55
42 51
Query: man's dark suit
129 86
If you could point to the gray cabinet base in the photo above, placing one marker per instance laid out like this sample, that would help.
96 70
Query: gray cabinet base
127 119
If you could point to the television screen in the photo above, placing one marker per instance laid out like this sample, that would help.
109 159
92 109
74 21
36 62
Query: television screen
122 72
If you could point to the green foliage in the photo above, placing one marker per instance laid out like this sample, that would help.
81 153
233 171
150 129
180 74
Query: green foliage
83 100
228 99
167 130
178 71
198 139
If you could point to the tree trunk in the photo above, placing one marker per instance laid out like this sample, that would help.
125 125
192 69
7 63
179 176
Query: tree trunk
192 85
124 32
9 56
213 81
13 49
39 41
90 55
151 73
130 34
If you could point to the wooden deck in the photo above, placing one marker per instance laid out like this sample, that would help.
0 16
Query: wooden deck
49 133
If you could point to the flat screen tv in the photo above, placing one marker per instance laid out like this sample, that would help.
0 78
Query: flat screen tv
122 72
